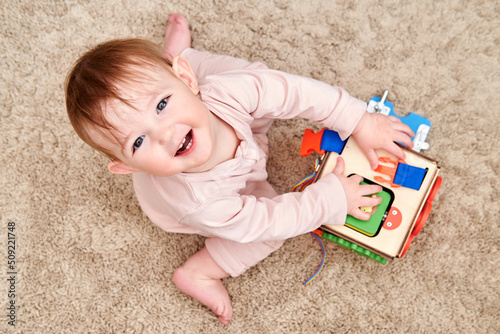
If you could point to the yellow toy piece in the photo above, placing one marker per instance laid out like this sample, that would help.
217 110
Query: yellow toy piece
368 209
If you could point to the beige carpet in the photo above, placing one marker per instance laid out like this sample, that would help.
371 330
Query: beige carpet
88 260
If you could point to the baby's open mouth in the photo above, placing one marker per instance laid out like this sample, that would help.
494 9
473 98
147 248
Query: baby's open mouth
186 144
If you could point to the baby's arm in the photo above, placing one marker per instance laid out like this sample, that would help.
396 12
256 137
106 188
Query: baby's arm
216 208
246 218
267 93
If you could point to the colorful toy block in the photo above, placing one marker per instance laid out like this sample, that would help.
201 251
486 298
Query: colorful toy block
406 201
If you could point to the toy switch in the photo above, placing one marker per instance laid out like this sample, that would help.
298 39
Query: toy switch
409 176
387 170
402 174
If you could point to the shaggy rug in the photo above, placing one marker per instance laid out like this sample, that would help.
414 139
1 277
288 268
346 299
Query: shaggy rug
87 260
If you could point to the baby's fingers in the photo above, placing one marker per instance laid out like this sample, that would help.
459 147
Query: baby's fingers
407 130
396 150
401 127
372 157
368 208
370 201
339 167
368 189
400 137
358 214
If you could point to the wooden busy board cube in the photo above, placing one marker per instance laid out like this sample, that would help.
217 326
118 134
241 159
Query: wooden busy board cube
403 211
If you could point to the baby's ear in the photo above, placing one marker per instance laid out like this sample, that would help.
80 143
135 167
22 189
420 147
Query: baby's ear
116 166
182 69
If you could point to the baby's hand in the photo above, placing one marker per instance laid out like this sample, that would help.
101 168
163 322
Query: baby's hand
376 131
356 193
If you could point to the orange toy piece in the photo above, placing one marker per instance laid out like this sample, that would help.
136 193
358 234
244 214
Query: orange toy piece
389 171
424 214
393 219
311 142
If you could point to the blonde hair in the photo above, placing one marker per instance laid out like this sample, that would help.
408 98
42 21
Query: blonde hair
93 81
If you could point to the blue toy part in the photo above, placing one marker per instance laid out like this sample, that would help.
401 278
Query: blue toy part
321 141
409 176
419 124
331 142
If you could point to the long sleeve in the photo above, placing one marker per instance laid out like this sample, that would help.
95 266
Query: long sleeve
265 93
217 209
250 219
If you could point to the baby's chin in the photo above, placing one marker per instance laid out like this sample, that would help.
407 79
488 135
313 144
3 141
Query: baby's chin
203 162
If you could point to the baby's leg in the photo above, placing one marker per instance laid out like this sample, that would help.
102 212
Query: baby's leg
177 36
200 277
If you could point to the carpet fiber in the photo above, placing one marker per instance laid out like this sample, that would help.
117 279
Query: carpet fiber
87 259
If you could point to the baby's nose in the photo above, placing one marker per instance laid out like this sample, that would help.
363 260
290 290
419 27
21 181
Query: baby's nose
165 135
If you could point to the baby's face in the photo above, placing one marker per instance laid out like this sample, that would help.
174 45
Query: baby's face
168 130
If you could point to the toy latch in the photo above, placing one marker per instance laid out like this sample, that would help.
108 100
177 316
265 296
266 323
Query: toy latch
323 140
401 174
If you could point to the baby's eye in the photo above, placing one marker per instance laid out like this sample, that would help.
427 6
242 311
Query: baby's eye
138 143
161 105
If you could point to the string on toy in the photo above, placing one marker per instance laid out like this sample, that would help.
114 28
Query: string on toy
299 187
322 260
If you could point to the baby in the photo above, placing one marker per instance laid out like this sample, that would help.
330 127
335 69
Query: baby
191 128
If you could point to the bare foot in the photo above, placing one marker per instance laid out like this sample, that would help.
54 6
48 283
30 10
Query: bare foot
177 36
200 279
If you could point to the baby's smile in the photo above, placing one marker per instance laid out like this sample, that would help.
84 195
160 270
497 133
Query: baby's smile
186 144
